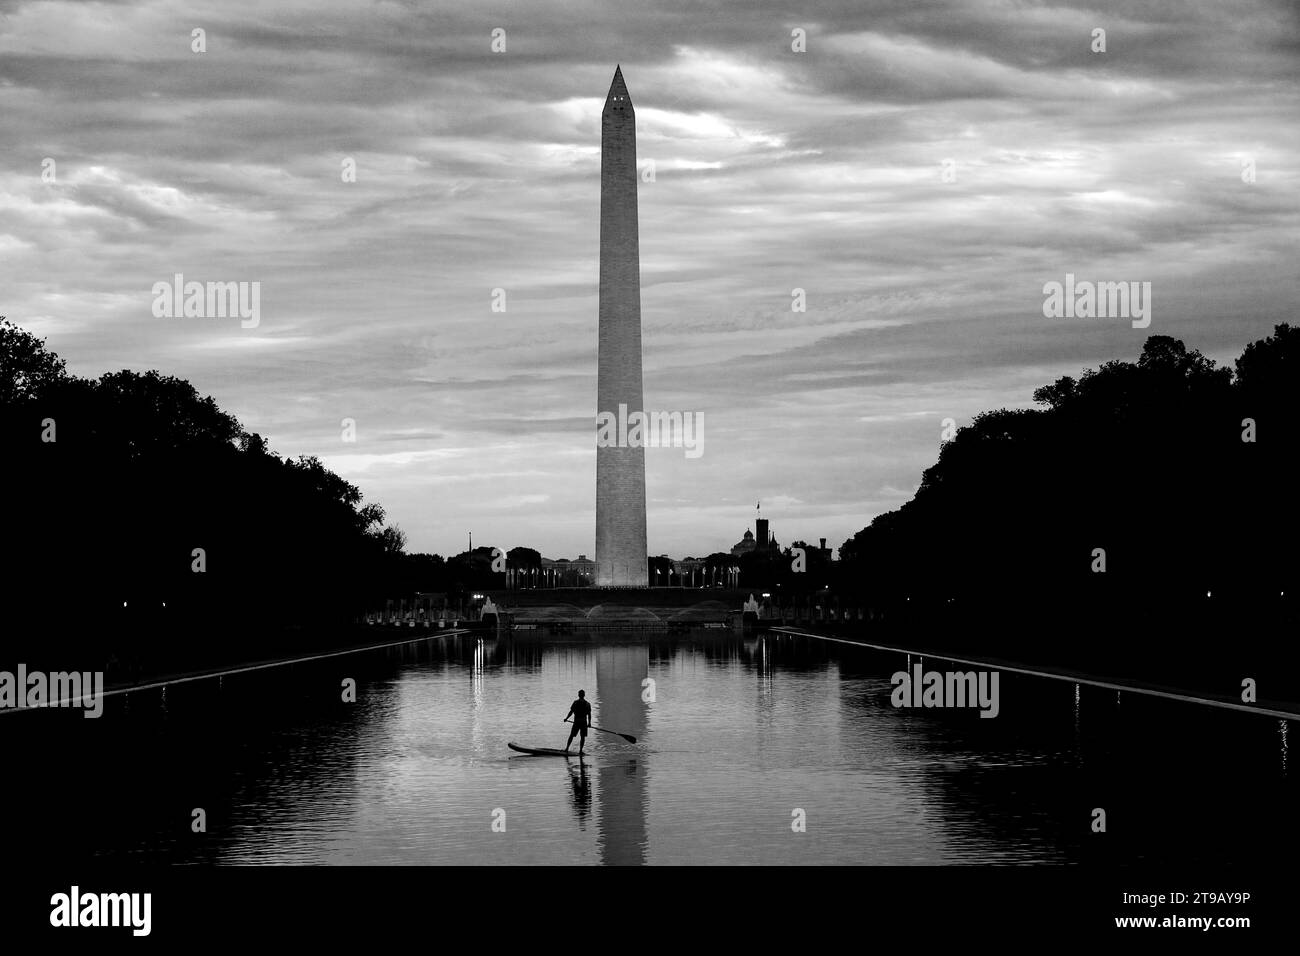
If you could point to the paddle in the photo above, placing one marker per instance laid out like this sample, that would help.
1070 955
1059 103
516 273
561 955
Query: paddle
628 737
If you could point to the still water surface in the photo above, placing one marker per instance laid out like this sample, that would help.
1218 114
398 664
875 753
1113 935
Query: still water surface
740 734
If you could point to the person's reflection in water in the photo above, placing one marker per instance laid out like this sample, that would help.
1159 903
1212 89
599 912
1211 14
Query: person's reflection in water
581 791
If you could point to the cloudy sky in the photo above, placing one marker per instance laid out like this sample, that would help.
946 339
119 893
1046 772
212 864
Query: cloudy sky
773 170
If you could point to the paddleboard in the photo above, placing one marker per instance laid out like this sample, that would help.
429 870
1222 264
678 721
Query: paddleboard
544 751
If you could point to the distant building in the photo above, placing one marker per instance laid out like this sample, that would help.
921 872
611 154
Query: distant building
579 572
744 545
816 555
761 542
583 570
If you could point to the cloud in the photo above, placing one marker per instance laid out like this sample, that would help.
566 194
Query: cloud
774 171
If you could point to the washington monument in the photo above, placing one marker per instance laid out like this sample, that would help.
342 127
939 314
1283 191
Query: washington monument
620 471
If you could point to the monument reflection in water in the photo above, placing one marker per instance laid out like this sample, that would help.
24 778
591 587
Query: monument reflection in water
621 810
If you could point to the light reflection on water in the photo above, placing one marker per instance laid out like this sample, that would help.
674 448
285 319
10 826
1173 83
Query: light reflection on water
740 733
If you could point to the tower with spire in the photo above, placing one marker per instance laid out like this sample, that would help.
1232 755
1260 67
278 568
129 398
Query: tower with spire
620 471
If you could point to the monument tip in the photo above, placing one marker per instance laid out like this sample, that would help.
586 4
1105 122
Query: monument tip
618 89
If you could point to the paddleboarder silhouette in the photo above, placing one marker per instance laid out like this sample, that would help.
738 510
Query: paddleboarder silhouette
580 711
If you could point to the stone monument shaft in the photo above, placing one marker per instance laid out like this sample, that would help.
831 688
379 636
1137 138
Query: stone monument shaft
620 471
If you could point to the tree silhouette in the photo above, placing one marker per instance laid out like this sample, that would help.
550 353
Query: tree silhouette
524 558
1137 467
27 368
148 525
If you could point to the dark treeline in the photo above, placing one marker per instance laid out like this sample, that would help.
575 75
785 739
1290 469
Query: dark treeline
1177 472
112 485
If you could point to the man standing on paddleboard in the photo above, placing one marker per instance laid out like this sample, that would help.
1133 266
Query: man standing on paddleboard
580 711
